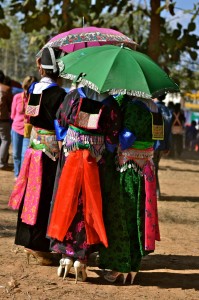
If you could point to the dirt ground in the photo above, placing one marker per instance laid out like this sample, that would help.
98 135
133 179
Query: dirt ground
171 272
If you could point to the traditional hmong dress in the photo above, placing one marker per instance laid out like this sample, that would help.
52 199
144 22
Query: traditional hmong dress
76 220
130 204
33 190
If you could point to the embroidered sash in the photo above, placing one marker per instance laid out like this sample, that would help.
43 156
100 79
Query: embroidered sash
46 141
133 158
77 138
30 177
157 126
33 105
85 119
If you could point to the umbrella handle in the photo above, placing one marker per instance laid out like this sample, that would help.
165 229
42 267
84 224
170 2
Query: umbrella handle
79 77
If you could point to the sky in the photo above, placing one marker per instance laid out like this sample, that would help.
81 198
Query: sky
182 17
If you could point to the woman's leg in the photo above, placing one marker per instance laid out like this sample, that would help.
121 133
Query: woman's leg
25 145
17 140
179 144
5 143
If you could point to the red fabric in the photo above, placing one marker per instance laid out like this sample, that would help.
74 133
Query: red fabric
80 174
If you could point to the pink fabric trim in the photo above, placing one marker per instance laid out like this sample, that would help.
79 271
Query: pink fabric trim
28 181
152 232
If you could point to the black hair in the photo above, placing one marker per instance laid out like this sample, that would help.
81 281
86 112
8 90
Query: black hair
2 76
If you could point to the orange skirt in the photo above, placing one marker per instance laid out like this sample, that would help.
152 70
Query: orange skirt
80 174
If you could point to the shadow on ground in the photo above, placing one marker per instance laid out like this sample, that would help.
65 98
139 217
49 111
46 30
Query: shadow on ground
167 280
152 273
173 262
179 198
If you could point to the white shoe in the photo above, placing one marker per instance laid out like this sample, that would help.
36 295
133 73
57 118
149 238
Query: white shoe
68 262
65 263
133 274
60 268
80 271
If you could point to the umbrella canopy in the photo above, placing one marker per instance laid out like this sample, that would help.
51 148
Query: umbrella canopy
84 37
116 70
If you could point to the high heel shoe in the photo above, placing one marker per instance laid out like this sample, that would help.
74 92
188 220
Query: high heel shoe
80 271
67 263
42 258
132 274
112 276
61 267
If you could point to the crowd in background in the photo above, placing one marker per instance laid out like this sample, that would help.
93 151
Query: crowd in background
184 135
13 100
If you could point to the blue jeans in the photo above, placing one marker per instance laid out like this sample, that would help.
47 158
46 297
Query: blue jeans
4 143
19 145
25 145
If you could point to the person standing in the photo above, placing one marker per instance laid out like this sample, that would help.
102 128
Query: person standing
191 136
5 109
162 147
129 198
177 131
33 190
76 221
19 141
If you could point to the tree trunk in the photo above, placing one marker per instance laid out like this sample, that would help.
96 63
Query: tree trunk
6 60
65 16
154 35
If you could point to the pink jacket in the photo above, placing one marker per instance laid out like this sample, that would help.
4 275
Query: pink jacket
19 104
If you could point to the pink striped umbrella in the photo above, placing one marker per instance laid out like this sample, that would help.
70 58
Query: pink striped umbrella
79 38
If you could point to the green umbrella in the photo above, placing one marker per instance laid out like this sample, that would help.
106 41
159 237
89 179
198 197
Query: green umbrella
116 70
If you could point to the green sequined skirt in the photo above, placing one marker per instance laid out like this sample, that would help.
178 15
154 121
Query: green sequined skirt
123 211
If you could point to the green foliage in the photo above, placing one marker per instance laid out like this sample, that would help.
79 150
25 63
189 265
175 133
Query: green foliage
187 79
2 16
29 5
38 20
17 55
24 7
5 31
191 26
